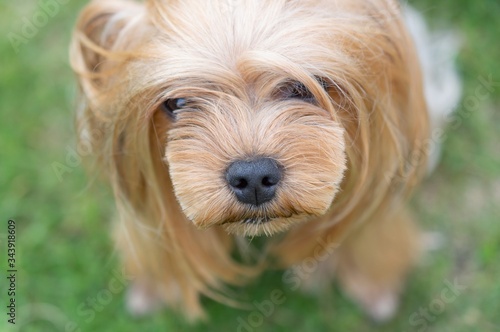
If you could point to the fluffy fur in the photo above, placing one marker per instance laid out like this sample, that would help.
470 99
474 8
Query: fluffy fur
351 157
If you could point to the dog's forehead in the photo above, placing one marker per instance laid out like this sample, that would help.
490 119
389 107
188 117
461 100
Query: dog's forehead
225 30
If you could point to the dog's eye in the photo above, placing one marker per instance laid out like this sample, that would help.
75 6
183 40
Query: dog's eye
297 90
169 106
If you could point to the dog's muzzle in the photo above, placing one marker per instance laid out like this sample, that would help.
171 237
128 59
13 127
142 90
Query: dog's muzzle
254 182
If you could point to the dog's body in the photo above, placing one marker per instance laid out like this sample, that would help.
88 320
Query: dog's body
213 118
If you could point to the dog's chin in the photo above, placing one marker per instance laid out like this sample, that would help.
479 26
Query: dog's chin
262 225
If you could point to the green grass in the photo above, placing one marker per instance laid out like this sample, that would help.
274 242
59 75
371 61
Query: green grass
65 256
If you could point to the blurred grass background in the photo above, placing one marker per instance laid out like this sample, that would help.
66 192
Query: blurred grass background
65 257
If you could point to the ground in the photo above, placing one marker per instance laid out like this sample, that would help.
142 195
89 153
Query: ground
67 275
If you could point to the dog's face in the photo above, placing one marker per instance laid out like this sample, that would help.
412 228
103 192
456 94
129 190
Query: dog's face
256 156
257 106
253 141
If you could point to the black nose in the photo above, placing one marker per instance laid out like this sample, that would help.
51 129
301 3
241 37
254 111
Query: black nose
254 182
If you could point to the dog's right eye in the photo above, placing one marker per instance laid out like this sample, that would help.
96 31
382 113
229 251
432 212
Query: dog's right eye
296 90
169 106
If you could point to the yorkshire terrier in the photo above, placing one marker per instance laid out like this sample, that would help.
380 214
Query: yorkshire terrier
217 120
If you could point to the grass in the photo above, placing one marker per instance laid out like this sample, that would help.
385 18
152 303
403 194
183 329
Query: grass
65 258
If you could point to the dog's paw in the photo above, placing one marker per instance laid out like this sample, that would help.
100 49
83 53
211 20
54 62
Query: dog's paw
432 241
383 307
142 299
379 302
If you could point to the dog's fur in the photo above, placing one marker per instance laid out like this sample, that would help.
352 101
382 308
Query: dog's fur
350 157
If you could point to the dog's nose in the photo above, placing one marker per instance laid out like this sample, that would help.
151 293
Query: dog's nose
254 182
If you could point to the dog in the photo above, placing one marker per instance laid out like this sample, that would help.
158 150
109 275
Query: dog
216 121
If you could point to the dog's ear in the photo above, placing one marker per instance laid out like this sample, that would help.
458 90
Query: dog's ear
104 34
106 37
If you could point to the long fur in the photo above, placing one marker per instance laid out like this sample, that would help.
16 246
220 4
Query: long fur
351 159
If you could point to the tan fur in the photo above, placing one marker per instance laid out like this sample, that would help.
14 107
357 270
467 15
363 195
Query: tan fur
349 158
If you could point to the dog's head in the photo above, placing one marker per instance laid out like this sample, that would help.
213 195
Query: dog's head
249 111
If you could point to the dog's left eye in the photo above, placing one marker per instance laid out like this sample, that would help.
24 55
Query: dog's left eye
169 106
297 90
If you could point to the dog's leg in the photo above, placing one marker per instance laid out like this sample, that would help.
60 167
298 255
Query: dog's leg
177 271
150 286
142 298
372 263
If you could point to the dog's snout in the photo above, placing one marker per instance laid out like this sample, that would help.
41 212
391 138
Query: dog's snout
254 182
